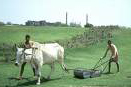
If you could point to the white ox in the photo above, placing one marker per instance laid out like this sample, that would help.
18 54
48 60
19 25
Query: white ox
45 54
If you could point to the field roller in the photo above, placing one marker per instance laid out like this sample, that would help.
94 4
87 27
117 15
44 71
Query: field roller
84 73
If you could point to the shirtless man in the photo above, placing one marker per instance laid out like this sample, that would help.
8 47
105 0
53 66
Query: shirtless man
27 45
114 55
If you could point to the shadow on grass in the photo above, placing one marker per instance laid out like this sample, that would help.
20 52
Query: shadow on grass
30 82
107 73
13 78
129 77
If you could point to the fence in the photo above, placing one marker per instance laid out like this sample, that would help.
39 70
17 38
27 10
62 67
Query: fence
7 52
89 37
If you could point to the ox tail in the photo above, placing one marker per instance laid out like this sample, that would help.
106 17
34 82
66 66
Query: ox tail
65 68
61 59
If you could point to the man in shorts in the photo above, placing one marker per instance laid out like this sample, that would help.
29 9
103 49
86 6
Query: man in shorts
114 55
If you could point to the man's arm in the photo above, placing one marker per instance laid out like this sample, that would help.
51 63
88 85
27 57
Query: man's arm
106 52
33 45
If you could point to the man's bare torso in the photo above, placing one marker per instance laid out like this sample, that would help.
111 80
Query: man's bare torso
113 50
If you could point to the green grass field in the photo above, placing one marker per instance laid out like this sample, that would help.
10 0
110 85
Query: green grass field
75 57
15 34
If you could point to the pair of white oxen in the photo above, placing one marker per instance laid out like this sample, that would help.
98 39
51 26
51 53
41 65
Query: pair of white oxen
44 54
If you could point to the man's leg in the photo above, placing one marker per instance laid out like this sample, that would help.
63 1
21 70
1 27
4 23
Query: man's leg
33 70
117 66
109 68
22 70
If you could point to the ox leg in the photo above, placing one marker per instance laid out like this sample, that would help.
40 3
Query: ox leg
34 69
52 70
37 72
38 75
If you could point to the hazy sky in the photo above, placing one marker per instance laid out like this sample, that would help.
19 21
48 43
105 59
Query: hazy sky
100 12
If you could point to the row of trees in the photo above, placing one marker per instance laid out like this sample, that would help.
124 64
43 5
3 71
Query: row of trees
88 25
2 23
72 24
44 23
8 23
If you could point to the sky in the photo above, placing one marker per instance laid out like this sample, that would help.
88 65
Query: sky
100 12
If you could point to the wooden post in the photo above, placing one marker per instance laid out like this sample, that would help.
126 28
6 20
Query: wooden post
66 18
4 52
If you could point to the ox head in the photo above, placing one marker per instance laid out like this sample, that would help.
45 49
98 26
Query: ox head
19 56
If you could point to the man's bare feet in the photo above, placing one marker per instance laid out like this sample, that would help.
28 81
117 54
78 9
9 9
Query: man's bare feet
20 78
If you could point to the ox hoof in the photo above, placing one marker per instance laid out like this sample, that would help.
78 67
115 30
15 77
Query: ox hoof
37 83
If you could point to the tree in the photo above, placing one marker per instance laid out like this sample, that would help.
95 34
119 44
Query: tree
88 25
1 23
72 24
57 24
9 23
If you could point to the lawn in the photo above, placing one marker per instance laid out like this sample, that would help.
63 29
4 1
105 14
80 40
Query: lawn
15 34
77 57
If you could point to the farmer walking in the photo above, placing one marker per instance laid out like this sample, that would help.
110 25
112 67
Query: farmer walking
27 45
114 55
